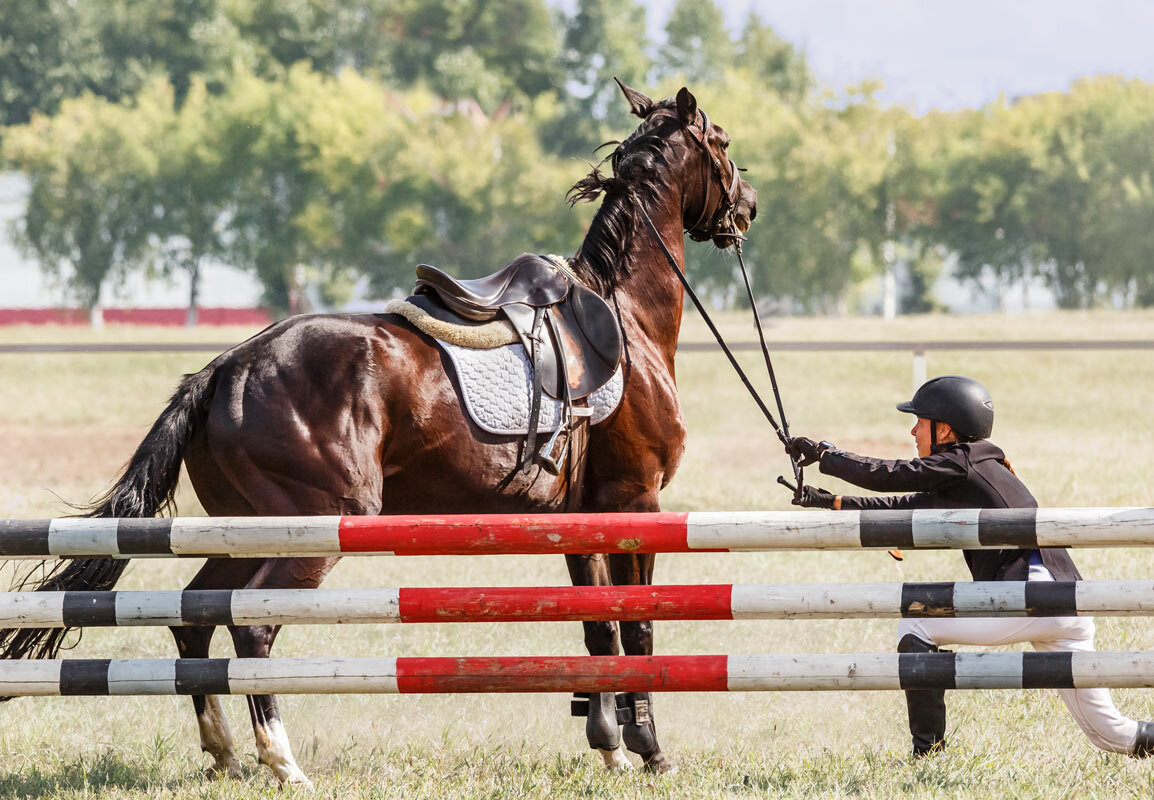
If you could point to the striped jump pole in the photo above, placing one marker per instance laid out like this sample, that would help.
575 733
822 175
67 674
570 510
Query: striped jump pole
746 673
577 603
661 532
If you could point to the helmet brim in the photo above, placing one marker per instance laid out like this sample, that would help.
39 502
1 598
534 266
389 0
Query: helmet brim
907 408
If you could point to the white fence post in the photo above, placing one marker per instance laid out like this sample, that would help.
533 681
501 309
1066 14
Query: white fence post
919 368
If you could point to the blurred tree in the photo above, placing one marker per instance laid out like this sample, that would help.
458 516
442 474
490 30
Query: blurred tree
45 57
816 192
773 60
54 49
331 178
1057 186
193 197
490 52
91 171
697 45
1122 215
1092 207
603 39
327 34
269 185
173 38
402 183
986 180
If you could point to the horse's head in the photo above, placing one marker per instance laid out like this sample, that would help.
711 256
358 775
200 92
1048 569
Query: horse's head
719 204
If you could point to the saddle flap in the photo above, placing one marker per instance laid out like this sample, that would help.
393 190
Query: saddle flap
590 341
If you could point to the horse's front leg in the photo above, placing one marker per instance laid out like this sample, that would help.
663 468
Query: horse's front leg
601 728
637 640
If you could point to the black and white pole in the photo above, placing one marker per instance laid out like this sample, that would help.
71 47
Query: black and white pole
747 673
579 603
661 532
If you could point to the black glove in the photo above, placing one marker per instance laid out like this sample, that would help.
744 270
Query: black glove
806 451
813 497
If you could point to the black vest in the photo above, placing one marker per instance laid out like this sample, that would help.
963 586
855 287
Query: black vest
963 475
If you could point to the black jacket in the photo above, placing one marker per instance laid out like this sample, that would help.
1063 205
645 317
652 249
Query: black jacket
963 475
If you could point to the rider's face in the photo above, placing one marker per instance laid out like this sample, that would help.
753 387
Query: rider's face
923 439
921 434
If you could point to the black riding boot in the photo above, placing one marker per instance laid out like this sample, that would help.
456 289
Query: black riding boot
1144 744
926 707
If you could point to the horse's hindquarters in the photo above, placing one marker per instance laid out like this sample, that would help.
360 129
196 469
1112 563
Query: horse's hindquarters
354 415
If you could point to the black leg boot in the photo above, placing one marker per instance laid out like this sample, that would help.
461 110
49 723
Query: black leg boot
640 734
1144 744
602 726
926 707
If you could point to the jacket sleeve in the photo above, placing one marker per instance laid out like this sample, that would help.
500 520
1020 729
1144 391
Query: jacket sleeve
890 502
919 475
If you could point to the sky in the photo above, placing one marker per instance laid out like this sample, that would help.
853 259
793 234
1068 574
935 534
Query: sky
954 53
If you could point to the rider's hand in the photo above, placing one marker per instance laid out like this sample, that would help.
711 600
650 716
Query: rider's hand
813 497
806 451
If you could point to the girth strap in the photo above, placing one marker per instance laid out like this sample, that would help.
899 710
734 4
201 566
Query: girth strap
535 339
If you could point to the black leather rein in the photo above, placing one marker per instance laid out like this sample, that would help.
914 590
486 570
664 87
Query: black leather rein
723 225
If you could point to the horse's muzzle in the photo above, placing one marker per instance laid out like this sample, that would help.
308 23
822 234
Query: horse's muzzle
745 209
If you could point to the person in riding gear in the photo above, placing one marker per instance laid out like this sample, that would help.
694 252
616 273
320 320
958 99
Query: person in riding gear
958 467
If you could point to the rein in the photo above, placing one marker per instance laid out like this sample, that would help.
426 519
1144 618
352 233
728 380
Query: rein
723 216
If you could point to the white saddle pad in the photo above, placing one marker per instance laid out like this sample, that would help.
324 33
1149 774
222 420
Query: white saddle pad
497 389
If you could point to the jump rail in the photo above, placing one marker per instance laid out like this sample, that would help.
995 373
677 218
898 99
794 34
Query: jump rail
493 534
777 672
576 603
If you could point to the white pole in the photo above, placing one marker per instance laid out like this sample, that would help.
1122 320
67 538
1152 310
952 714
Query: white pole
919 368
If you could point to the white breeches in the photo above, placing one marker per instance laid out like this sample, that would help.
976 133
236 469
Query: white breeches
1093 709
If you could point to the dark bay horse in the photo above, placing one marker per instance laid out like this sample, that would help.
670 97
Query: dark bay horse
357 414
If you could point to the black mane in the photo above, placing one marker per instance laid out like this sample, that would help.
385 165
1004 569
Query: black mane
640 173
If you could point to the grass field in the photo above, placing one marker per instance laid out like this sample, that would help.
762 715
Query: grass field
1075 425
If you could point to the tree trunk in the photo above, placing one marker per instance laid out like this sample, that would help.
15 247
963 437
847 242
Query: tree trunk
889 292
190 319
96 315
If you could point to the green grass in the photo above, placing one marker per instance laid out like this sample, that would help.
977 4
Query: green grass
1075 425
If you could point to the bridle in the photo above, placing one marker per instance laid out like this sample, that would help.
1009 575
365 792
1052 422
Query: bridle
722 221
723 224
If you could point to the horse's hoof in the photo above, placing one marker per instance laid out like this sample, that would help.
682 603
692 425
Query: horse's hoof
229 769
615 759
659 765
295 779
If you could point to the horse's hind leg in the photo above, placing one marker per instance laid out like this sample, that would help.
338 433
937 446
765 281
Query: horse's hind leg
193 642
255 641
637 640
601 728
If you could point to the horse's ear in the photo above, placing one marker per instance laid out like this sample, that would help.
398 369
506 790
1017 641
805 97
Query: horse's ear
639 104
686 106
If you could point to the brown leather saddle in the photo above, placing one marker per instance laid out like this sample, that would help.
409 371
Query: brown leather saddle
570 333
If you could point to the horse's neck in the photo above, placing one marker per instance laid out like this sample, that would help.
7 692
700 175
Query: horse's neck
654 294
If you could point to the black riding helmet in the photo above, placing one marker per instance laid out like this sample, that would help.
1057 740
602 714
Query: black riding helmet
962 403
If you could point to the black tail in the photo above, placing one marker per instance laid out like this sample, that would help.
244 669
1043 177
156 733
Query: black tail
145 489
